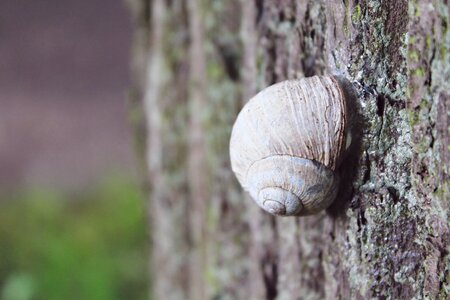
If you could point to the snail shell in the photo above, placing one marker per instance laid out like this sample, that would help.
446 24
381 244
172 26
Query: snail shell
287 143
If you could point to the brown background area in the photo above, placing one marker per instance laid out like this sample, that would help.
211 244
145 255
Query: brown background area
63 81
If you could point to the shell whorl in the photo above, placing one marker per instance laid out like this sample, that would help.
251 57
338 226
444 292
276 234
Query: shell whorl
287 142
288 185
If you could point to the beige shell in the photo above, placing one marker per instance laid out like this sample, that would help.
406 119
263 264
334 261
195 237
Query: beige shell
288 141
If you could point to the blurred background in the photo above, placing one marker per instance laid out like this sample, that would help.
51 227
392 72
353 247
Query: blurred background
72 218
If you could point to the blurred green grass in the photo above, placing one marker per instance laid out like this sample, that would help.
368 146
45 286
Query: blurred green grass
90 244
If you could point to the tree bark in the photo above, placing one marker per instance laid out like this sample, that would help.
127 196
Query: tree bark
386 236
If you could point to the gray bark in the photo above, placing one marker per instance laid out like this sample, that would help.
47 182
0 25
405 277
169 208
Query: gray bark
195 63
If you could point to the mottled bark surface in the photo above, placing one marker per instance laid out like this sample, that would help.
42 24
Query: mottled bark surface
386 236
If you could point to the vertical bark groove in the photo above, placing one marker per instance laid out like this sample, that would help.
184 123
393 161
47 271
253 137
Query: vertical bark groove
198 171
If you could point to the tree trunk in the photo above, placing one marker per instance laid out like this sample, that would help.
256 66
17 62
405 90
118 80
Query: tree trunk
196 62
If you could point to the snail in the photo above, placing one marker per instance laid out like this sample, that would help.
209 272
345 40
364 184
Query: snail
288 142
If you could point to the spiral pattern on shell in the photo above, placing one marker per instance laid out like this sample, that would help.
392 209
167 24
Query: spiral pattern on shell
287 143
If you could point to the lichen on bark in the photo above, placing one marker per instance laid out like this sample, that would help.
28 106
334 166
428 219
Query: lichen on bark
386 235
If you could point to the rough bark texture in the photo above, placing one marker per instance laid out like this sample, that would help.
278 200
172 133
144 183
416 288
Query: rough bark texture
386 236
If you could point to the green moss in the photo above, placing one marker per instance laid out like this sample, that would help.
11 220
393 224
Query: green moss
422 146
419 72
443 51
410 91
346 28
428 42
345 24
356 16
215 71
413 118
414 56
424 105
416 11
443 190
